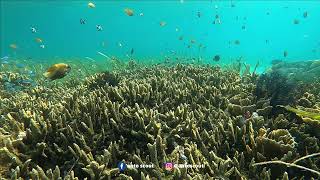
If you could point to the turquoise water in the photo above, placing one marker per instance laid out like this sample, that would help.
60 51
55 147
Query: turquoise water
57 24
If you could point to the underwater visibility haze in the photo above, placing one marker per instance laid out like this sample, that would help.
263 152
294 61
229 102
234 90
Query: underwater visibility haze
175 89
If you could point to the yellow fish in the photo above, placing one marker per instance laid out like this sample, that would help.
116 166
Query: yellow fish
38 40
13 46
57 71
128 11
91 5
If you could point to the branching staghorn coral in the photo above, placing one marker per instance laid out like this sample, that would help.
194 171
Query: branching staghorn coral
152 115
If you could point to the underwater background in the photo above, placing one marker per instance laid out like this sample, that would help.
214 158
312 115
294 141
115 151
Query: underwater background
159 90
269 30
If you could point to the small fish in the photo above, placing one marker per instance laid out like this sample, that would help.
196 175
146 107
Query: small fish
247 115
119 44
5 58
163 23
141 14
267 41
4 62
89 58
237 42
33 29
42 46
285 53
193 41
38 40
25 82
173 52
99 27
13 46
243 27
91 5
132 51
20 65
82 21
129 11
305 14
183 157
217 20
180 38
57 71
199 14
296 21
216 58
31 73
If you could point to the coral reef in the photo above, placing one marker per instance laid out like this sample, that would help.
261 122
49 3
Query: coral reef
199 115
276 143
11 82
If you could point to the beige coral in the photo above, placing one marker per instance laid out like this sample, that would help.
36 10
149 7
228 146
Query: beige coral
276 143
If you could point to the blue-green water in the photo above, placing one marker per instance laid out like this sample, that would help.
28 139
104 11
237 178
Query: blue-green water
269 29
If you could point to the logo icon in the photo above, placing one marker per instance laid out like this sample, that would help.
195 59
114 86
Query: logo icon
122 166
168 166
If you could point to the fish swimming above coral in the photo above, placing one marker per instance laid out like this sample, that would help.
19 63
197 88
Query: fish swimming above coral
57 71
163 23
13 46
216 58
38 40
91 5
129 11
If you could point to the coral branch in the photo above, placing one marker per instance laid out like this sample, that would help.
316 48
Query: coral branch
292 164
305 157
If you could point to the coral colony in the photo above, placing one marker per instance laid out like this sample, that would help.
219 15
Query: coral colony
160 122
